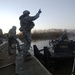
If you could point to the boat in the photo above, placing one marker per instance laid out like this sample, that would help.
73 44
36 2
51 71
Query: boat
61 55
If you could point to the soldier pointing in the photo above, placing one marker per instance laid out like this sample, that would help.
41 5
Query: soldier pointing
26 23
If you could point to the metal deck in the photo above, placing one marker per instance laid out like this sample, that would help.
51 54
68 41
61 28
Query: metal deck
30 67
12 64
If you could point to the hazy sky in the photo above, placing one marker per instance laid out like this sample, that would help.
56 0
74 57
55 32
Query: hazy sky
55 13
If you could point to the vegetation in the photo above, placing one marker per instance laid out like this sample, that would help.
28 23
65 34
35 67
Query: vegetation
44 34
41 34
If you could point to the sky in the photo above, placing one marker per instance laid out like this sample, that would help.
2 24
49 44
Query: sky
56 14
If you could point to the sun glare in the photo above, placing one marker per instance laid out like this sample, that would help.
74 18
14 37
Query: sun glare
7 21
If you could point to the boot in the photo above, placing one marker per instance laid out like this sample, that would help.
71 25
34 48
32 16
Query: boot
27 56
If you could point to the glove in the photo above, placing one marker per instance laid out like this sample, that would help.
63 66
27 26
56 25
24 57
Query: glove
39 11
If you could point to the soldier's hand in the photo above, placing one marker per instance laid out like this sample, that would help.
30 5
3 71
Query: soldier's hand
39 11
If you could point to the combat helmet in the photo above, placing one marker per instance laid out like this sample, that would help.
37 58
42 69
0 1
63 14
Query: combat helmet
13 27
26 12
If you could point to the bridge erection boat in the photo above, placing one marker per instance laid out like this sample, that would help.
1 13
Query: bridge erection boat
59 57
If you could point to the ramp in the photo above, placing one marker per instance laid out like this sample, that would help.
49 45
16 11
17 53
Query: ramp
29 67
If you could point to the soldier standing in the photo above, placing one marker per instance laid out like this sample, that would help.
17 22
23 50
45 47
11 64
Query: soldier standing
27 24
1 41
12 39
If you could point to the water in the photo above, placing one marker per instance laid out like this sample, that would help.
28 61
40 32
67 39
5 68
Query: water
40 45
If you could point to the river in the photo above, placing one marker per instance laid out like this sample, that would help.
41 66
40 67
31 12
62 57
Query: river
40 44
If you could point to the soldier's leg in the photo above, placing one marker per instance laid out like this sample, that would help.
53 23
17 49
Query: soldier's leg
18 46
28 39
26 54
9 46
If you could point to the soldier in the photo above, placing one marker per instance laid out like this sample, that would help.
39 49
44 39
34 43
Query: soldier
1 36
1 41
12 39
27 24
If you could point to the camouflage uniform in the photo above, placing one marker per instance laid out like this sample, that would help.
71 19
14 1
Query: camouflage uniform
12 39
27 24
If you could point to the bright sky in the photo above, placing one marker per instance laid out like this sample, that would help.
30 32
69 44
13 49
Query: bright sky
59 14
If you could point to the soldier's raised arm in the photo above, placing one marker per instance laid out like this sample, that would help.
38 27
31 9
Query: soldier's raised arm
32 18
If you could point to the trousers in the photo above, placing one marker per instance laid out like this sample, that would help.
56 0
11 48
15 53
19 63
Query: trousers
12 40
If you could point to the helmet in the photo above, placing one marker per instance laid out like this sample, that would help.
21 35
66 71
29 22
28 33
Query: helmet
13 27
26 12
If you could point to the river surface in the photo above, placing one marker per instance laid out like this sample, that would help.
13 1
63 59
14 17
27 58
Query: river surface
40 43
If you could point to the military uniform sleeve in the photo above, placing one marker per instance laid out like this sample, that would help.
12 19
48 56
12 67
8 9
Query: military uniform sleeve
32 18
